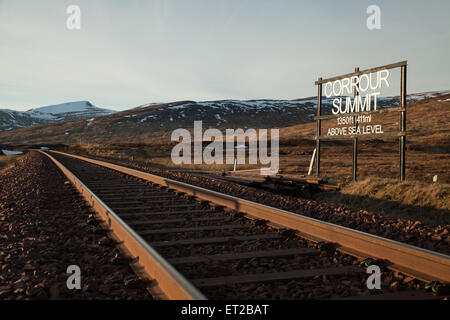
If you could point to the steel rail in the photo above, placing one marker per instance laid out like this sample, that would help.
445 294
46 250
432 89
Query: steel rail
420 263
172 284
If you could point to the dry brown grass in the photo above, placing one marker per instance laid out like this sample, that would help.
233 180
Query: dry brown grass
7 162
407 192
429 203
157 155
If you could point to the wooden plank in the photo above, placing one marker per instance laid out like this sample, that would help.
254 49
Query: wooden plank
154 207
156 213
125 193
214 240
192 229
246 182
371 70
275 276
173 200
164 221
328 187
281 178
245 170
120 190
149 222
111 198
333 116
245 255
118 185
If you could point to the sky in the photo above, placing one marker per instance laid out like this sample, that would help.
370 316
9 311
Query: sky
134 52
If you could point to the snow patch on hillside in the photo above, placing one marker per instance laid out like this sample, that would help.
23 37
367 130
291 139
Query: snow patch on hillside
10 119
58 111
64 107
10 152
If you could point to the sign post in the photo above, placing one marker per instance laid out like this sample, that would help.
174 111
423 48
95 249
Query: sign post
355 139
357 114
319 126
403 124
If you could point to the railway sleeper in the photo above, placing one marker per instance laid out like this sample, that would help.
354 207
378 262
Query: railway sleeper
213 240
275 276
244 255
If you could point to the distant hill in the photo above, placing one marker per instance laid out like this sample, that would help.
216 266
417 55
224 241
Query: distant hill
10 119
155 122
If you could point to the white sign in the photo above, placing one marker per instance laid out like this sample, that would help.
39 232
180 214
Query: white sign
367 87
360 84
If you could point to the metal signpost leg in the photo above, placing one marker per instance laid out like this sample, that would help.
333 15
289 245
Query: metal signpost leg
319 130
403 124
355 142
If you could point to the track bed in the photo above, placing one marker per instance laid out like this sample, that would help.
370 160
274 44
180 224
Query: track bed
225 254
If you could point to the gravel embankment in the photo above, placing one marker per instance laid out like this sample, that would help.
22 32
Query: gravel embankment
45 226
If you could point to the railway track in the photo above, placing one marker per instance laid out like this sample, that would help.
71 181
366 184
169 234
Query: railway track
192 243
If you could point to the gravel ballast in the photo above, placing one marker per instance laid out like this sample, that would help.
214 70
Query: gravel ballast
46 226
